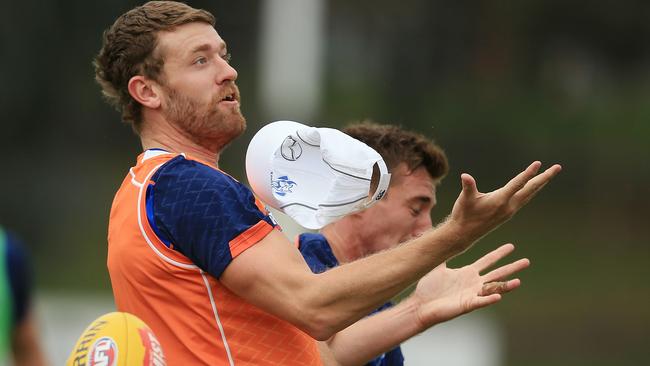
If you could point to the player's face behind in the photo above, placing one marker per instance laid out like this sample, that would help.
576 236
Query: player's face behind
198 84
403 214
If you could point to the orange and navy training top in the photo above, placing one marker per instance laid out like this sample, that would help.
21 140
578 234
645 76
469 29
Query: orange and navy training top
175 225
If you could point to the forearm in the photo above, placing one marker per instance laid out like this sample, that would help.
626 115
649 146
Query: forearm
273 275
326 303
347 293
326 355
376 334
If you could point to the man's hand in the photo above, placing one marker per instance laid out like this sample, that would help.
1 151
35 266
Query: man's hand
446 293
475 214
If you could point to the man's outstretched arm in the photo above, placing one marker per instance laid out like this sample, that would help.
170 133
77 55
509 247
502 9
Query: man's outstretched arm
274 276
441 295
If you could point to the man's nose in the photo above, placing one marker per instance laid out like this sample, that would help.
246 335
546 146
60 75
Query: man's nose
226 72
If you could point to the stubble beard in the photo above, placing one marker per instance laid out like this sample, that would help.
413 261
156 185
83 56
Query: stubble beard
209 126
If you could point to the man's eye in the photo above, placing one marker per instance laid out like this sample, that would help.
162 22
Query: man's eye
415 211
201 61
227 57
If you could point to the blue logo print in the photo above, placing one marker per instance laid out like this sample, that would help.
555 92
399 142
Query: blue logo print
282 185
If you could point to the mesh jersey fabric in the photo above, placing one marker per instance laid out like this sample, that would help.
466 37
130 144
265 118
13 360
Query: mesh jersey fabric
197 320
195 206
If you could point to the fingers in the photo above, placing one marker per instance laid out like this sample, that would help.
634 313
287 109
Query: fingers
469 185
493 257
534 185
518 182
483 301
500 287
507 270
491 292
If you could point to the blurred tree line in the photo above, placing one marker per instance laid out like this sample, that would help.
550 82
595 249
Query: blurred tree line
496 83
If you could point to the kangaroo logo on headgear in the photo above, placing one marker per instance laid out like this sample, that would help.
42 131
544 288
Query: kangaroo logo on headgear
291 149
282 185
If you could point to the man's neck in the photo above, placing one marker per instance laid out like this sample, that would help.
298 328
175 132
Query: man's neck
346 245
170 138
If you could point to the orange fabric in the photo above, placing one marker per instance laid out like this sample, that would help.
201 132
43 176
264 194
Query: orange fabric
197 320
260 205
249 237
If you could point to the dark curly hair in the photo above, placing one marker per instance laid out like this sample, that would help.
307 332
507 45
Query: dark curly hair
398 146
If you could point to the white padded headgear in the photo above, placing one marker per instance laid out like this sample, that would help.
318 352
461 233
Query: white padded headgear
314 175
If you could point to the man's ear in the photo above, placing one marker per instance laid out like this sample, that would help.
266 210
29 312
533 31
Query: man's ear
145 91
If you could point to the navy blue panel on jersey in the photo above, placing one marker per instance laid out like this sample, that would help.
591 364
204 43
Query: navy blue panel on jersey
317 252
319 257
200 210
20 277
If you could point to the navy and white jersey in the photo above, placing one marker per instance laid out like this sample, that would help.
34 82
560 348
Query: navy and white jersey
318 255
176 223
200 211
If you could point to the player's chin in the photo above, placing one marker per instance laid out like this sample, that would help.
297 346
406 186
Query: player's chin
233 115
238 123
228 120
234 125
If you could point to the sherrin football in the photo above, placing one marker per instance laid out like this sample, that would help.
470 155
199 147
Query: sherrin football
117 339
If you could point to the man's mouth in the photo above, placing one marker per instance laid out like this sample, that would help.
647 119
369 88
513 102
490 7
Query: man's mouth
229 98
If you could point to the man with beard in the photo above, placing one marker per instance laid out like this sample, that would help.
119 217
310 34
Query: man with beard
192 252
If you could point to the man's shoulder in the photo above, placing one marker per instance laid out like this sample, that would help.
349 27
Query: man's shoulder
185 170
175 163
181 163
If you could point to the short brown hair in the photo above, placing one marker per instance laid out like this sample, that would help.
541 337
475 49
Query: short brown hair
129 46
398 146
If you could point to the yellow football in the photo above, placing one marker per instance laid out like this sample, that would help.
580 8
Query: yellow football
117 339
